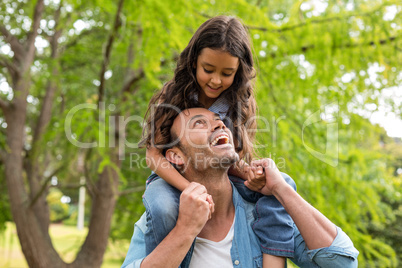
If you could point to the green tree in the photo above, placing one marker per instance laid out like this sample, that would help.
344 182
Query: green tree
319 64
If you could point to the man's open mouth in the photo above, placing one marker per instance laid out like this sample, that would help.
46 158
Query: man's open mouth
220 140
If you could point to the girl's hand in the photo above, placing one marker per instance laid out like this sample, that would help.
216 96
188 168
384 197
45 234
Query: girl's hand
256 178
211 206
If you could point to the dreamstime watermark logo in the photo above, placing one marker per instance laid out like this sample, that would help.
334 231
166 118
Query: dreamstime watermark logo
108 127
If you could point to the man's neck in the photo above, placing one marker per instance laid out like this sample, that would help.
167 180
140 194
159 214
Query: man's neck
219 187
217 183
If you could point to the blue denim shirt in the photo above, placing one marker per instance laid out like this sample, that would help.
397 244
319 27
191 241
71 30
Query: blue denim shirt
245 251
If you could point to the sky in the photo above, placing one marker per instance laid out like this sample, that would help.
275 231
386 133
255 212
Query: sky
390 123
385 118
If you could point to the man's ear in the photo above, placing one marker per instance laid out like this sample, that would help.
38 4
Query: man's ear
174 156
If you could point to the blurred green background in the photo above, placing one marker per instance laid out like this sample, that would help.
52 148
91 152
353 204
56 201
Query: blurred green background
76 77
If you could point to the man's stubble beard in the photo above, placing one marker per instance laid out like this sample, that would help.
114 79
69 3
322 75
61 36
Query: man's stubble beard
210 164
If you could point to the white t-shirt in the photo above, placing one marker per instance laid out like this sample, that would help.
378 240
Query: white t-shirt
212 254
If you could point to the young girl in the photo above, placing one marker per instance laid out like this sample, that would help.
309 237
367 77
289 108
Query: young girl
214 71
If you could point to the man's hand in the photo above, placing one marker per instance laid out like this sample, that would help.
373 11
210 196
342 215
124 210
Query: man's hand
196 207
273 178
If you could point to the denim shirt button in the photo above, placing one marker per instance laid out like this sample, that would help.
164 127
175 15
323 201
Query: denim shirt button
236 262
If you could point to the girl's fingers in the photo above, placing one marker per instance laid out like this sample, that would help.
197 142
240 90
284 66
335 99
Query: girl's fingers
211 205
251 186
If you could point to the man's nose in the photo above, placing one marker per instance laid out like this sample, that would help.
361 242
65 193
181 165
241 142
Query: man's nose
218 124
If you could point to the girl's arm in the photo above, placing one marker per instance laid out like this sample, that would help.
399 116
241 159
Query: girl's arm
161 166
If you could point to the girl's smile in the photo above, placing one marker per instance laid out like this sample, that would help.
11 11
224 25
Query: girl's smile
215 73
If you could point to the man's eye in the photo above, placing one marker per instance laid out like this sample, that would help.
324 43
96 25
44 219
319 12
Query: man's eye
199 122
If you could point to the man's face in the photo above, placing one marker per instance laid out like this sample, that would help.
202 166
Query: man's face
205 141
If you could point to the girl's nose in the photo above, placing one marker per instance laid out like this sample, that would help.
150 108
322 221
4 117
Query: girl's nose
216 79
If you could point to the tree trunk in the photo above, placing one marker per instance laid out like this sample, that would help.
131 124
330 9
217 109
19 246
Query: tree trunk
103 204
33 236
35 243
29 209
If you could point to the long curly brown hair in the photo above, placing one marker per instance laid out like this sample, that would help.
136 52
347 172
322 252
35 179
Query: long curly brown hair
223 33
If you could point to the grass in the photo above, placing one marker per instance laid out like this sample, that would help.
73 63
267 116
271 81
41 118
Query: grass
66 239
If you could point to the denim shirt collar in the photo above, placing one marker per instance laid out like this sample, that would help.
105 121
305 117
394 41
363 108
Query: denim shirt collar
220 106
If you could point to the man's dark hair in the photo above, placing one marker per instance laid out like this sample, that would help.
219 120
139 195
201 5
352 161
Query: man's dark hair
173 142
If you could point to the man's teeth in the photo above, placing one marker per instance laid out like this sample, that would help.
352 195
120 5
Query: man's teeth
224 140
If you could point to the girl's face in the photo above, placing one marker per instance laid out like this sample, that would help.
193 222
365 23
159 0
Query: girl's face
215 73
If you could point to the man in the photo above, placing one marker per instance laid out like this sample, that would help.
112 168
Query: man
204 154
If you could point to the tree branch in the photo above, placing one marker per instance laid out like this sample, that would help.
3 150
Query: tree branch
381 42
371 43
68 186
6 62
132 80
350 45
4 105
132 190
77 38
315 21
51 87
3 156
39 8
92 189
131 77
44 186
14 43
106 58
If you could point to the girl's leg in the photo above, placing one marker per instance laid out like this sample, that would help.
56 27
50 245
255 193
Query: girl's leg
161 201
273 225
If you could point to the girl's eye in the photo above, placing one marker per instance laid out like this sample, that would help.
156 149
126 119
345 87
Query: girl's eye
207 71
227 75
